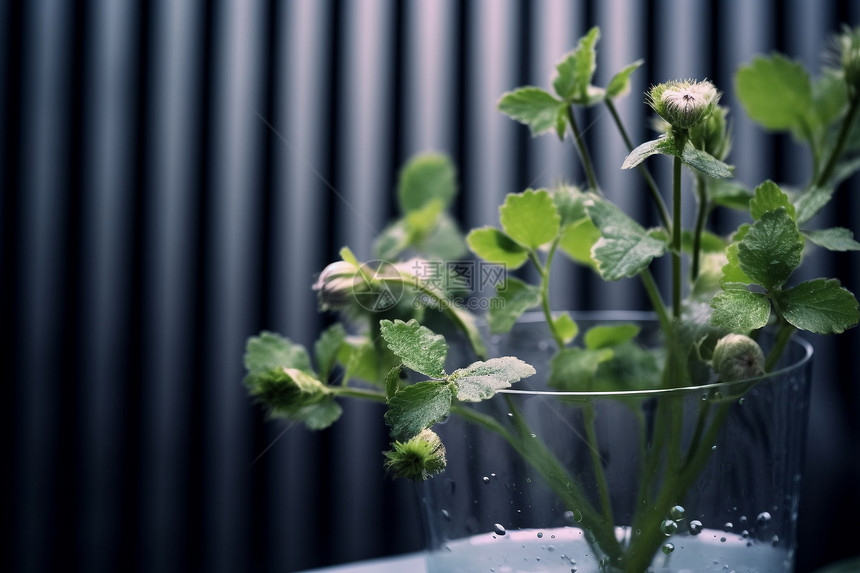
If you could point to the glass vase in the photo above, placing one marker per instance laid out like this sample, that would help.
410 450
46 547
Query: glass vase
695 479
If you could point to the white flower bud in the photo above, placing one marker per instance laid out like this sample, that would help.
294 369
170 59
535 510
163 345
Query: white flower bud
683 103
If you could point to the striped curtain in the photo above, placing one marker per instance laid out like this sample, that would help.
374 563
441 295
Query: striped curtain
175 173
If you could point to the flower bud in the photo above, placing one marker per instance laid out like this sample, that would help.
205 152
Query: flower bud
418 458
737 357
683 103
711 135
337 285
848 55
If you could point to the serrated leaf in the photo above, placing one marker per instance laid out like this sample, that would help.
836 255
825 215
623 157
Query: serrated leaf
530 218
575 70
604 336
821 306
426 178
295 395
619 85
533 107
510 303
769 197
392 382
705 162
740 311
834 239
775 92
481 380
577 239
326 348
662 145
565 326
811 201
416 407
625 248
417 346
771 249
573 369
270 351
496 247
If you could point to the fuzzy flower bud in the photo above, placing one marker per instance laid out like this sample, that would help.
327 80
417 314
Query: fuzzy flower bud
712 134
683 103
418 458
737 357
848 55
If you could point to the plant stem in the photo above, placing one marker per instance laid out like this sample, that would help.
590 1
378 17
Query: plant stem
599 475
680 142
783 335
543 269
587 165
842 139
649 180
656 300
701 216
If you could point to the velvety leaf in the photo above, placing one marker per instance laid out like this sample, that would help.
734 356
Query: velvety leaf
771 249
573 369
481 380
577 239
569 204
811 202
424 179
732 272
417 346
533 107
393 240
604 336
663 144
418 406
630 367
516 298
619 85
321 415
494 246
530 218
740 311
576 69
821 306
625 248
775 92
359 359
295 395
834 239
270 351
326 348
705 162
392 382
769 197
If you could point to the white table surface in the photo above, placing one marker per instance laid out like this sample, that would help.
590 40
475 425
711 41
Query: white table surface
410 563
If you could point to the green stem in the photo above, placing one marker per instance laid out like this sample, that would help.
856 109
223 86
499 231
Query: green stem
649 180
680 142
599 475
783 335
587 165
842 139
656 300
543 270
701 217
360 393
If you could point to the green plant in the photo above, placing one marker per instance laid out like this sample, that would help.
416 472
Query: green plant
724 289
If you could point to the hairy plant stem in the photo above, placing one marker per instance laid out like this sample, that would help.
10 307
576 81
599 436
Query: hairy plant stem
680 142
649 180
587 165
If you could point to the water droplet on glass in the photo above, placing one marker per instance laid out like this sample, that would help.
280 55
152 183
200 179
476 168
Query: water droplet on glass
534 435
745 533
722 539
763 519
695 527
446 515
668 527
718 395
499 529
741 401
676 512
486 479
713 448
727 526
668 548
540 534
775 540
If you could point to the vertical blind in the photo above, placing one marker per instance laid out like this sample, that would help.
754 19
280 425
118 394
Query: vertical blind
175 173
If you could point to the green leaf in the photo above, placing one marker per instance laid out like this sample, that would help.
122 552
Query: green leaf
530 218
775 92
577 240
605 336
625 248
740 311
270 351
811 202
835 239
830 96
729 193
821 306
481 380
359 359
445 242
705 162
496 247
393 240
417 346
663 145
769 197
516 298
565 326
533 107
569 202
573 369
771 249
619 85
392 382
321 415
347 255
417 407
326 348
576 69
731 272
295 395
424 179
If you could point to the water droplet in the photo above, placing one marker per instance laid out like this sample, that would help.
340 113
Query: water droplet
741 401
704 396
713 448
745 533
668 548
668 527
763 519
550 548
499 529
775 540
695 527
676 512
534 435
486 479
446 515
718 395
727 526
540 534
722 539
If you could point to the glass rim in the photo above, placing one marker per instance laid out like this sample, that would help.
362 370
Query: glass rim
644 316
